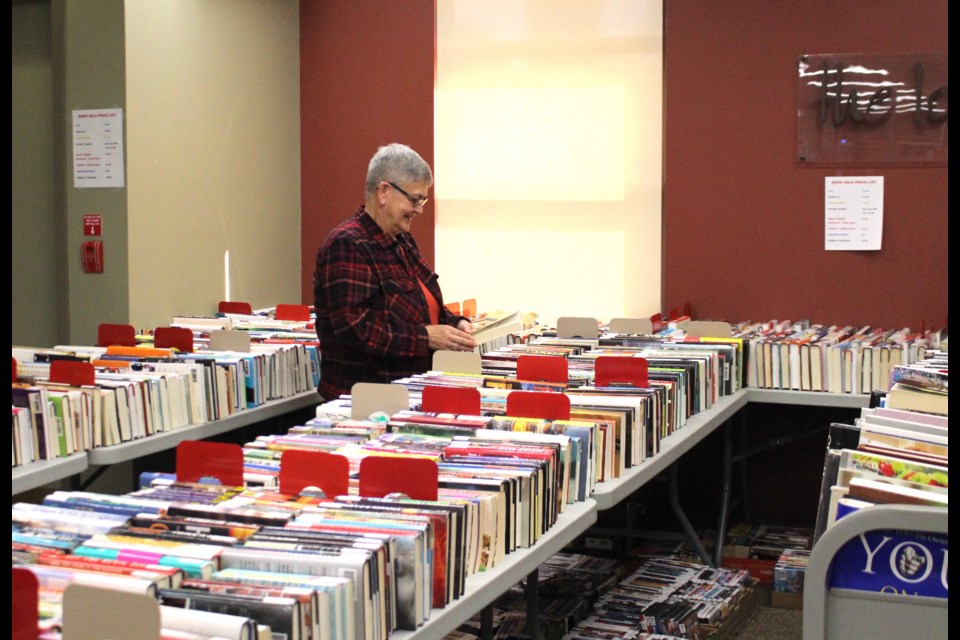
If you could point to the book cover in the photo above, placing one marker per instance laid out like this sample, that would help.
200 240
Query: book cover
898 561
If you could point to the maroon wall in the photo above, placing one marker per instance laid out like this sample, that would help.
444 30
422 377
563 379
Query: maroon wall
366 79
743 224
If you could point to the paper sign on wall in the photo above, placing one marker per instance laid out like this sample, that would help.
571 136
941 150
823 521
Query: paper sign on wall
853 213
97 148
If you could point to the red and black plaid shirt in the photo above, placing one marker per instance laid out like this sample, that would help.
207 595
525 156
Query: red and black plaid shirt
371 313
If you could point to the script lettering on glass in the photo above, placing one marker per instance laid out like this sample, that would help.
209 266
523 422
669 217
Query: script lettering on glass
872 109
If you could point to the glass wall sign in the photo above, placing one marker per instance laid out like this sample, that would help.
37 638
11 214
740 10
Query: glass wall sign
862 109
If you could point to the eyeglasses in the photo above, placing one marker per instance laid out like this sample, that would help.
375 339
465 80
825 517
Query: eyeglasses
416 201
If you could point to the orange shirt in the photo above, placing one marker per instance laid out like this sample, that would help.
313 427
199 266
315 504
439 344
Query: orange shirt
432 303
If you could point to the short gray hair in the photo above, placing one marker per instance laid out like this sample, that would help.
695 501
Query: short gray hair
396 163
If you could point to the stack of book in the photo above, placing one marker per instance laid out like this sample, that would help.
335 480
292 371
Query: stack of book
788 575
889 457
921 386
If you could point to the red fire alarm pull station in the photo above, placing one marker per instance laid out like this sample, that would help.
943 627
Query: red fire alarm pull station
92 224
91 254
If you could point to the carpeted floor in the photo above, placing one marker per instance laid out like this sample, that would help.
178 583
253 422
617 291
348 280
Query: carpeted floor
769 623
772 623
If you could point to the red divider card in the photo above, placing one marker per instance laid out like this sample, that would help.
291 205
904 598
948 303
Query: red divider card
226 306
543 368
453 307
656 321
297 312
179 338
72 372
538 404
301 468
14 369
25 602
470 308
436 399
198 459
619 371
382 475
112 334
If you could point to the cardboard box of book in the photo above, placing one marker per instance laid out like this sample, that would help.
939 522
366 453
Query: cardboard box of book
760 569
786 600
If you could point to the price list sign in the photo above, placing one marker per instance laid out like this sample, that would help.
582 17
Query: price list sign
853 213
98 148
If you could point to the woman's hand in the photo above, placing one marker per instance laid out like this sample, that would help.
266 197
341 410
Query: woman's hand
444 337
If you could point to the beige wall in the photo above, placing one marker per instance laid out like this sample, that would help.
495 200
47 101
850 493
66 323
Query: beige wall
548 155
210 95
213 154
36 259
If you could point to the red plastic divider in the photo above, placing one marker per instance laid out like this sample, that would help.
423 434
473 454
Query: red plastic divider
25 600
14 370
415 477
437 399
538 404
116 334
228 306
614 371
72 372
470 308
543 368
302 468
198 459
296 312
179 338
656 320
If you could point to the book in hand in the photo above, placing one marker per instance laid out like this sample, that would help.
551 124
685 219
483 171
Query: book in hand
497 325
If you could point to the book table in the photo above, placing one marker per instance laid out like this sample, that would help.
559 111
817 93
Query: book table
36 474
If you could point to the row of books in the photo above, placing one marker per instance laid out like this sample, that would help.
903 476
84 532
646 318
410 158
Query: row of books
490 505
830 358
127 393
797 355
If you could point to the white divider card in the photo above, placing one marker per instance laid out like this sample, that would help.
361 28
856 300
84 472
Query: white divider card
369 397
709 329
853 213
230 340
457 362
93 612
571 327
637 326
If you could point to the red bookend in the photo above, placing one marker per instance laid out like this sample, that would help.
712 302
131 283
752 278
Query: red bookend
197 459
460 400
538 404
328 471
543 368
613 371
72 372
414 477
116 334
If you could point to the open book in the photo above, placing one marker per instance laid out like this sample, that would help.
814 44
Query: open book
495 327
